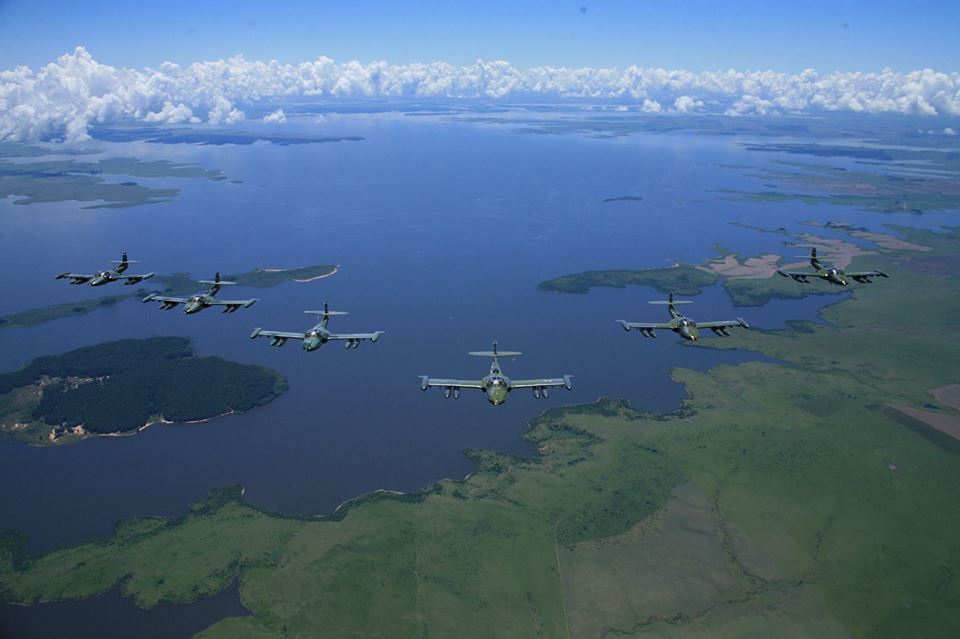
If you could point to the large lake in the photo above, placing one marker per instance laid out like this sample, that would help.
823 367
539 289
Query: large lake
442 231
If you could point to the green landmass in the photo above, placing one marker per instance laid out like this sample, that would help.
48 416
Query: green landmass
682 279
63 180
782 500
856 128
16 150
910 180
686 279
176 284
122 386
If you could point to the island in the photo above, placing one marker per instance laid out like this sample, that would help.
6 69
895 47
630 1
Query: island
786 498
751 281
62 180
891 180
123 387
682 279
623 198
209 135
176 284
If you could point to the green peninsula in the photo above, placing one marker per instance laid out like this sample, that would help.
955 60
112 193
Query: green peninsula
176 284
911 180
682 279
62 180
781 500
686 279
124 386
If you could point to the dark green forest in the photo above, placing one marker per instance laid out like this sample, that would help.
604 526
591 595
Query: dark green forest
137 379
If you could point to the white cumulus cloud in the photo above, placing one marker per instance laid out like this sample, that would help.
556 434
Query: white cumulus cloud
172 114
76 92
686 104
277 116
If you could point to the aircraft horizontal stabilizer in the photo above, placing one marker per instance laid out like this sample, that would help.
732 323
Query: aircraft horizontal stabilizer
495 354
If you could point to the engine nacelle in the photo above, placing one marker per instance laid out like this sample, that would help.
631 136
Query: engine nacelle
545 392
447 392
456 393
536 392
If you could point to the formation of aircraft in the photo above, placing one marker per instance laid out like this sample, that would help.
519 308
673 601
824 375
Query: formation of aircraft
318 335
682 325
109 275
831 274
199 301
496 385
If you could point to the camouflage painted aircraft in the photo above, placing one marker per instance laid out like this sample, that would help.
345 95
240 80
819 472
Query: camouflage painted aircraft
110 275
199 301
496 385
318 335
831 274
682 325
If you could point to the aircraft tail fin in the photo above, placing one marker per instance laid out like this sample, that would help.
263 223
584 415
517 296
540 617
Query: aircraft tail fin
670 301
123 262
326 313
495 353
216 282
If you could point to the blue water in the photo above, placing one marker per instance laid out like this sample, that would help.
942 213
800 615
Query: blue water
442 231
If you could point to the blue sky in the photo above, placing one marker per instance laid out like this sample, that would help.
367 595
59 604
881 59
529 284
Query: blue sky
692 35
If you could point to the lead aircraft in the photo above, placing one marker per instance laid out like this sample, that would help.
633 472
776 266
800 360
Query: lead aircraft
831 274
109 275
683 326
318 335
496 385
199 301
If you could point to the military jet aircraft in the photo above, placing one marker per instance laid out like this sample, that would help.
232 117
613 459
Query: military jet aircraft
831 274
110 275
199 301
496 385
318 335
682 325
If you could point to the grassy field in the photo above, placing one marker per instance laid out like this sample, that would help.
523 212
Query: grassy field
782 500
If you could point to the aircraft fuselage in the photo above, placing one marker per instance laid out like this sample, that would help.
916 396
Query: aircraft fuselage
686 328
496 387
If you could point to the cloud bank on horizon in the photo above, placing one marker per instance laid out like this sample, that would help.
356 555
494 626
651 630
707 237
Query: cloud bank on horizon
76 91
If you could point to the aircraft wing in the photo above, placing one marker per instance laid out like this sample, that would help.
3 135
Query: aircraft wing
164 299
426 382
232 305
283 335
135 279
216 302
865 275
564 381
800 276
644 326
78 278
724 323
357 337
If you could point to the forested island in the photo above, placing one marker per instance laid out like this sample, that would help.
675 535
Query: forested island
125 386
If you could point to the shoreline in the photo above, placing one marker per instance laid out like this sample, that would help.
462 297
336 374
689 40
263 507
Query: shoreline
336 269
